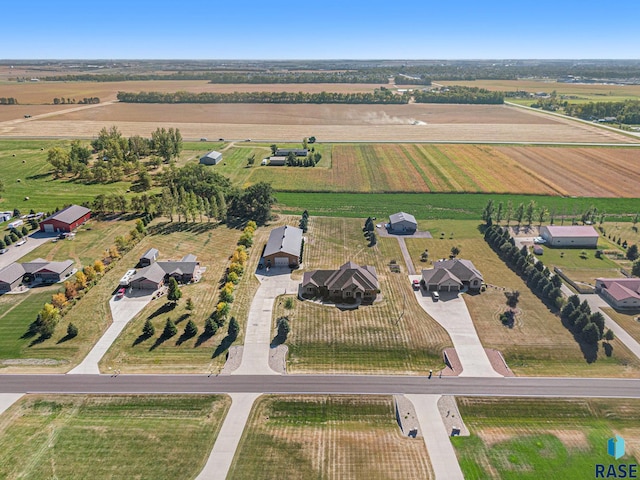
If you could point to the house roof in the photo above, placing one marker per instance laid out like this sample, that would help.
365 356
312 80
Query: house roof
178 268
151 254
299 152
586 231
621 288
154 273
440 276
40 264
462 269
11 273
189 257
402 216
349 276
69 214
285 239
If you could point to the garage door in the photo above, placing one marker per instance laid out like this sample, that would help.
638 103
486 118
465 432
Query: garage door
282 261
48 227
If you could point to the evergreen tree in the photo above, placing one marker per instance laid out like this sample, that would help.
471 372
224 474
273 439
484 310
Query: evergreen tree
148 330
170 329
174 293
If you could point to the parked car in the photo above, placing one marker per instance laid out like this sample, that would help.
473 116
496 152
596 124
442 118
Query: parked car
21 242
539 240
435 296
4 250
120 293
416 284
203 139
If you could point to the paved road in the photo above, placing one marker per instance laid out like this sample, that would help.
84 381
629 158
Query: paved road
16 253
323 384
257 339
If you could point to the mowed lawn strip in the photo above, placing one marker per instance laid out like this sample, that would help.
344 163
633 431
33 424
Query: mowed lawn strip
391 336
519 438
630 321
302 437
538 344
125 436
213 245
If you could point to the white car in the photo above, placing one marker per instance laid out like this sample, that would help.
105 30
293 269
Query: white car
539 240
435 296
3 251
21 242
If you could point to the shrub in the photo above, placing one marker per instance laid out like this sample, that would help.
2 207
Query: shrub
72 331
288 303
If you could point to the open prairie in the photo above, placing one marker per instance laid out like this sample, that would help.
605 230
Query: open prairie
273 122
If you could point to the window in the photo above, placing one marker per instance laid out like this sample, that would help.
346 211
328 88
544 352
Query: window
347 294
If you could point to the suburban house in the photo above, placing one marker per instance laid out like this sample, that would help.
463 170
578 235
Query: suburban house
452 276
621 293
66 220
157 274
48 272
349 282
211 158
39 269
149 257
298 152
402 223
11 277
283 248
579 236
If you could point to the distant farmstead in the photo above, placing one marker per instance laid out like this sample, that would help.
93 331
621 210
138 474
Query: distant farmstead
284 247
570 236
66 220
211 158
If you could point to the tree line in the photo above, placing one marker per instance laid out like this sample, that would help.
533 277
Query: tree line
84 101
459 94
379 96
627 112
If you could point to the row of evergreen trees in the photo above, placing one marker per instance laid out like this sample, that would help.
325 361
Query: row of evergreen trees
588 326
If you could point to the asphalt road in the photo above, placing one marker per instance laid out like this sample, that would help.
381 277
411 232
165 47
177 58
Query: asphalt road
317 384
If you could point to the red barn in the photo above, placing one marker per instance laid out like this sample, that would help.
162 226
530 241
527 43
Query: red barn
66 220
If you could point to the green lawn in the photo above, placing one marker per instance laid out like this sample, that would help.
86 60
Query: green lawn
629 320
542 438
303 437
135 436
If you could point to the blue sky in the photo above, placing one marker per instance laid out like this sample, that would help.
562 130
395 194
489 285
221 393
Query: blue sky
283 29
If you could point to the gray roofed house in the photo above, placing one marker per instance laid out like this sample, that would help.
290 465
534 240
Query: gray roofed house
349 282
402 223
452 275
11 277
211 158
298 152
149 257
283 247
148 278
50 272
189 257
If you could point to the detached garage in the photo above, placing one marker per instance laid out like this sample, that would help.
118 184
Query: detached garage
211 158
283 247
66 220
571 236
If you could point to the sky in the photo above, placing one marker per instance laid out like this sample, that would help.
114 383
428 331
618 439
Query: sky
284 29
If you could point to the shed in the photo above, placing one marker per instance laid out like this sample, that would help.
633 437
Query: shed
578 236
66 220
149 257
298 152
211 158
277 161
403 223
283 247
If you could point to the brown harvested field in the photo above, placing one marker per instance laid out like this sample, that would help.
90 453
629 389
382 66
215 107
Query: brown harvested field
589 172
548 86
302 437
340 123
16 112
44 92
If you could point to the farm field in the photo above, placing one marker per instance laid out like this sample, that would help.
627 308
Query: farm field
538 344
43 92
301 437
273 122
391 336
521 438
213 245
126 436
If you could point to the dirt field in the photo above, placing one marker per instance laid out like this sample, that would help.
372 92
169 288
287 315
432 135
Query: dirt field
594 172
412 123
44 92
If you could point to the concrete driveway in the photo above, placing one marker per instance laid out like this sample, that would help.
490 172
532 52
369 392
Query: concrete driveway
33 241
122 311
451 312
257 340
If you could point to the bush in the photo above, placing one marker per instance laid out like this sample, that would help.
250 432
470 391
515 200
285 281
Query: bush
288 303
72 331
